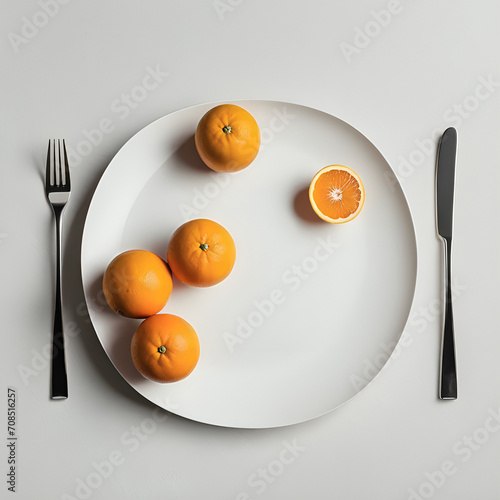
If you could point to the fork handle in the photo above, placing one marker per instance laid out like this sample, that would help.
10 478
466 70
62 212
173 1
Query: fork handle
59 381
448 382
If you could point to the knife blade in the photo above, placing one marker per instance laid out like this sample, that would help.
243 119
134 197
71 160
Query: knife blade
445 187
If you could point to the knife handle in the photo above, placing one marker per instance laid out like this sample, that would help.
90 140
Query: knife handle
448 379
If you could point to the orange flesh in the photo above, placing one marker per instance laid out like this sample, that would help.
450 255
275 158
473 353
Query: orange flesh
337 194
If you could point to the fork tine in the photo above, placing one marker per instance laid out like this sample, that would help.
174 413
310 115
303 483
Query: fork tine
53 168
55 177
48 169
57 172
58 163
62 175
66 166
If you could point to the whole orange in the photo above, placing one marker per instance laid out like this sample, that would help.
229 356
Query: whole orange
165 348
227 138
201 253
137 284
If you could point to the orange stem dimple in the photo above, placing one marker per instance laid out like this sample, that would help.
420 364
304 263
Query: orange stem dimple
162 349
204 247
227 129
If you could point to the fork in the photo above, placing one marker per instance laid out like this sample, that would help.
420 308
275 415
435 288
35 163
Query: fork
57 189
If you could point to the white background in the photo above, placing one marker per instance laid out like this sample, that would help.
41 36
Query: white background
418 72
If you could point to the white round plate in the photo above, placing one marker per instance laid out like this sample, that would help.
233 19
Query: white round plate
311 310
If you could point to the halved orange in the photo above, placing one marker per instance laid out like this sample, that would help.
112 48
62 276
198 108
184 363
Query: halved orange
337 194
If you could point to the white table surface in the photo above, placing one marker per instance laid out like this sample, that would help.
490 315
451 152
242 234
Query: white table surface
68 68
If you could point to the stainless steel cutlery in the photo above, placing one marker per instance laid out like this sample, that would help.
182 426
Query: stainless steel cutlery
445 187
58 189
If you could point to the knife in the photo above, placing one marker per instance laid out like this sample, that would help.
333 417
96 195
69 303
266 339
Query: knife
445 184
